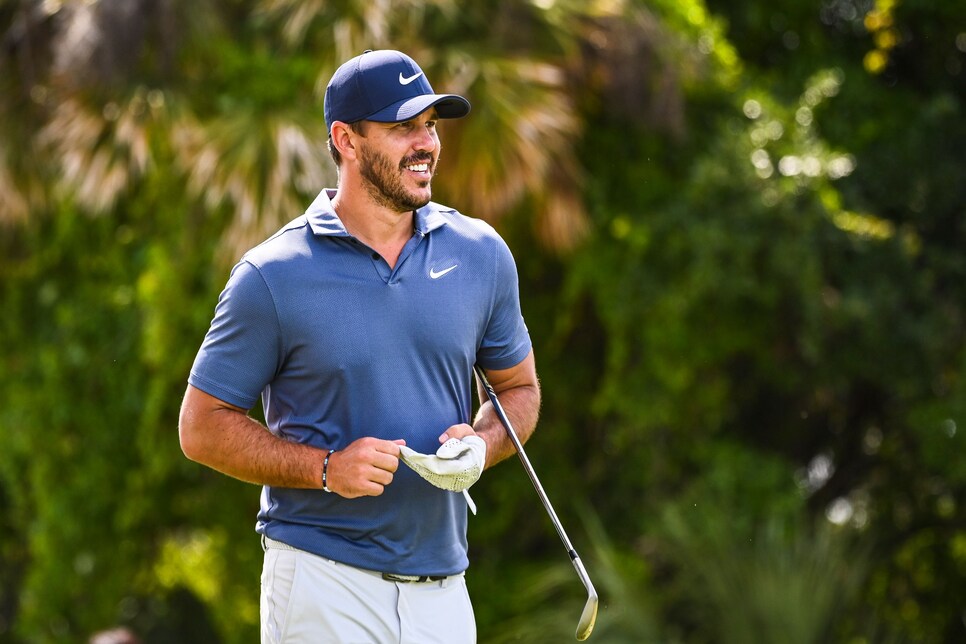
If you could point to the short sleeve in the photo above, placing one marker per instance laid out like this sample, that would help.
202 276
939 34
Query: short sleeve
506 341
242 350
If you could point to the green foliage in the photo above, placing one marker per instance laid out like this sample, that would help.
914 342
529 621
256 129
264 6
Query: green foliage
782 583
92 349
549 600
704 279
80 355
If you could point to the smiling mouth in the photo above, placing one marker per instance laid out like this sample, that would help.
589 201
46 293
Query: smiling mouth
418 164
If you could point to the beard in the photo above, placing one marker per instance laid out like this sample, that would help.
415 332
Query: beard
384 182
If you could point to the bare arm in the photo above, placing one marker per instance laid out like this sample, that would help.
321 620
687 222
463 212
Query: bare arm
225 438
519 393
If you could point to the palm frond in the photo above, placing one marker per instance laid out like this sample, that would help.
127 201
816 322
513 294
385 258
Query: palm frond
516 154
101 151
261 166
14 204
519 140
352 25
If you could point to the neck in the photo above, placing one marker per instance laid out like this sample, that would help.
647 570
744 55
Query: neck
383 229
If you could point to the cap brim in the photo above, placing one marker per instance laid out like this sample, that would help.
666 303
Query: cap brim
448 106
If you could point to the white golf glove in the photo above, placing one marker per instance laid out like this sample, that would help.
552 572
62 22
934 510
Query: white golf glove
455 466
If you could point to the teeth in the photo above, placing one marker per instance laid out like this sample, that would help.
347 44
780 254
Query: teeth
419 167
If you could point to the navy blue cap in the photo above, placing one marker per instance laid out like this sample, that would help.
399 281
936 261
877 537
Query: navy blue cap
386 86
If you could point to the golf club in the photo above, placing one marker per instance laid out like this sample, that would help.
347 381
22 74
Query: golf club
589 614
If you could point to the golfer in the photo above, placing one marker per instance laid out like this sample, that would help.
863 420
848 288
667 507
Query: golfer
358 324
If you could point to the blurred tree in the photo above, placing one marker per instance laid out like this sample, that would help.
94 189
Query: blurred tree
886 415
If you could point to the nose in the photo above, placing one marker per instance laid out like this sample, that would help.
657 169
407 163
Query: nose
426 139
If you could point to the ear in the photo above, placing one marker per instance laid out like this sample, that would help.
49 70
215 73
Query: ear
344 139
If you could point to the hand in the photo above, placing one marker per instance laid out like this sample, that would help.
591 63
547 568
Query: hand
457 431
455 466
462 431
364 468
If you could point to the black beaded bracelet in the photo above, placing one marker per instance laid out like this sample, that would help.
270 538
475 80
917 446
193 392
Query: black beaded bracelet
325 471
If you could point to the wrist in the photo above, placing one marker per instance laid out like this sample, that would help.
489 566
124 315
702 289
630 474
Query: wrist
325 471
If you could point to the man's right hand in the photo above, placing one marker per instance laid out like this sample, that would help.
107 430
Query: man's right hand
364 468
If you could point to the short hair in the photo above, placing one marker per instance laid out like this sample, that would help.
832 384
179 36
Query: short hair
356 126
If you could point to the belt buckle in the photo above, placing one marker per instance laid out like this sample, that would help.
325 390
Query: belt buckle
408 579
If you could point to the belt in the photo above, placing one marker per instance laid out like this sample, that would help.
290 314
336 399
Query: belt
388 576
415 579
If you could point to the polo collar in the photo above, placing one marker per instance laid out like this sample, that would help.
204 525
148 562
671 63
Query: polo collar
323 220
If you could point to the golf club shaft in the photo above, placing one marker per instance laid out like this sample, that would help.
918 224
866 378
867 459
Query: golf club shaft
498 408
589 615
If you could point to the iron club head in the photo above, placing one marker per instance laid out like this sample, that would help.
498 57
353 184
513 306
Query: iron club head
589 615
587 618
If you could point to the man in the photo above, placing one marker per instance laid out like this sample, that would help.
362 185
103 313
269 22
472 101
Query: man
359 324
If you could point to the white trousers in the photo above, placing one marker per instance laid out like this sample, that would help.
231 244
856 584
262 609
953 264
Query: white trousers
307 599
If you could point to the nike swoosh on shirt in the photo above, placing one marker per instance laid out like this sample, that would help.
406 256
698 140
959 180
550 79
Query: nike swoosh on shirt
403 80
434 274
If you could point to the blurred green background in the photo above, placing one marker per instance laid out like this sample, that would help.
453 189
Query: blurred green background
741 233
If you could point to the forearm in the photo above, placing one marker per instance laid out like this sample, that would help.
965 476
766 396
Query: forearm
522 407
227 440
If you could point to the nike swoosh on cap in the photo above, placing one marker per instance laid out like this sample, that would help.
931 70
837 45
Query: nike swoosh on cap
434 274
403 80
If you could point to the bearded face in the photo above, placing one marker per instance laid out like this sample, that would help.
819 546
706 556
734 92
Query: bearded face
386 182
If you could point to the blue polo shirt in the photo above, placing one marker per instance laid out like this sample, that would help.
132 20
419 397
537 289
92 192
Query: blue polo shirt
339 346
